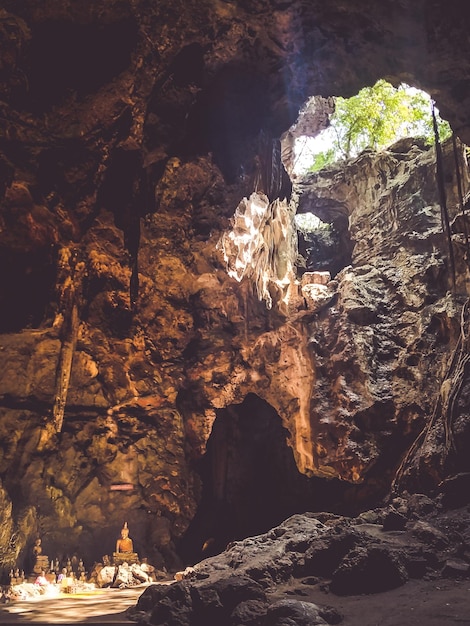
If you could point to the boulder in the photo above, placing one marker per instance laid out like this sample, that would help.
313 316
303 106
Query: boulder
368 570
294 613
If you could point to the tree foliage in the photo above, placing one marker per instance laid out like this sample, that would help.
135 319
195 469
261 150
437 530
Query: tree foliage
375 118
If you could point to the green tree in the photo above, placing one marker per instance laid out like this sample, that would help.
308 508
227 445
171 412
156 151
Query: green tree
377 117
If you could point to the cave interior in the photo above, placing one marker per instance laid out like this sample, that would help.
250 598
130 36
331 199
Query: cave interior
131 151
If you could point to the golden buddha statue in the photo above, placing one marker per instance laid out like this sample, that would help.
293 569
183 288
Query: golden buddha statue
124 543
125 548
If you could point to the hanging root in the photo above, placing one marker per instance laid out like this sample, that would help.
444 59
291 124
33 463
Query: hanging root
69 292
440 175
64 367
444 412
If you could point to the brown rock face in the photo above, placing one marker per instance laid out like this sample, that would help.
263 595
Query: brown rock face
386 337
130 134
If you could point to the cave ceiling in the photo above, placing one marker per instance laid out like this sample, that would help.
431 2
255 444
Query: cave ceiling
129 133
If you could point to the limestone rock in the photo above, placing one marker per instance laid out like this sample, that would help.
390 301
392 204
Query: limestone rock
213 601
347 557
286 612
368 570
456 568
429 533
125 156
249 613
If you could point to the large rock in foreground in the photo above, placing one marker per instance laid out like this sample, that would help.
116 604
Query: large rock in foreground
348 556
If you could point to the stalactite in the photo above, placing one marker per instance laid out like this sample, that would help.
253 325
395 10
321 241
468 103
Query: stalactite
261 245
70 271
272 178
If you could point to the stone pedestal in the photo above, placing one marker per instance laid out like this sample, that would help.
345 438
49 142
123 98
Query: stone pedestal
41 564
125 557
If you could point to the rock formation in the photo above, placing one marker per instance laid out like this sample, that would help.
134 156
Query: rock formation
373 374
130 133
319 555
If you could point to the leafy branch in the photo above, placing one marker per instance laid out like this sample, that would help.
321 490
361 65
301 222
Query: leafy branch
375 118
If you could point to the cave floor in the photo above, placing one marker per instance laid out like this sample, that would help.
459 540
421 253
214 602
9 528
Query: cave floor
103 606
440 602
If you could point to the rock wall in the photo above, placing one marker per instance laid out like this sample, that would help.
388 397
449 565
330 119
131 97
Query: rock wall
383 348
130 132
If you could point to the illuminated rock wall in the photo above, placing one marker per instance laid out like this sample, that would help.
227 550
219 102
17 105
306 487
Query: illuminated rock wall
262 247
382 350
130 133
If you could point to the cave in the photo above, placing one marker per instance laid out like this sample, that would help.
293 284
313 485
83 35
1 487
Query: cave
325 249
243 475
250 482
139 141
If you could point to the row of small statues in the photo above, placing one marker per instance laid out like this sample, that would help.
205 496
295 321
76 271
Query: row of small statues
17 577
41 563
75 566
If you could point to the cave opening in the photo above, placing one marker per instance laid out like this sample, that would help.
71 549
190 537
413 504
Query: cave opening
331 131
249 480
373 119
322 246
268 242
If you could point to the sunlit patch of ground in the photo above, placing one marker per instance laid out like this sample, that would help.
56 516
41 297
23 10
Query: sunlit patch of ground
93 607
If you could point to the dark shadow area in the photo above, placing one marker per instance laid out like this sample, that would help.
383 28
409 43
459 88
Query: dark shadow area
120 191
226 120
250 481
123 192
68 56
187 67
173 96
65 170
26 288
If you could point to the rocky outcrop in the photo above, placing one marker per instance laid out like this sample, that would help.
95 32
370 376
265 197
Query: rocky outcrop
345 556
131 132
375 348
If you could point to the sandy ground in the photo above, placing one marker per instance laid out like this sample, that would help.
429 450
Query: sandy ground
103 606
442 602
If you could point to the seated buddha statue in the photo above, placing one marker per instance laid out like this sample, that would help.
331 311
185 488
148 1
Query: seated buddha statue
40 560
125 548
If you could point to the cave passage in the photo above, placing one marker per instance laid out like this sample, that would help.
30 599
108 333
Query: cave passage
322 247
250 481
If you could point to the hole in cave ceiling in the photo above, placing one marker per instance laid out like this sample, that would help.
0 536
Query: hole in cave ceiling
375 118
250 481
261 246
